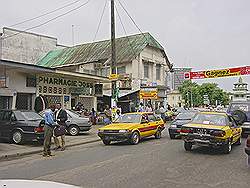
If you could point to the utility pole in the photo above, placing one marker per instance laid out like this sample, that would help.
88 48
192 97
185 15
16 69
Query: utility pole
113 55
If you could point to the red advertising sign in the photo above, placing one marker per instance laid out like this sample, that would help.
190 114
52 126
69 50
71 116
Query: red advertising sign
218 73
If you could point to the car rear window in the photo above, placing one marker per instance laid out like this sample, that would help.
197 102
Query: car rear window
210 119
30 116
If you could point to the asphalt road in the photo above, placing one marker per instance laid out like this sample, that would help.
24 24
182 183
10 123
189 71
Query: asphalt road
152 163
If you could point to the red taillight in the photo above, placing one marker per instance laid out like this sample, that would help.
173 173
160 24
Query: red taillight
218 133
248 142
39 129
186 130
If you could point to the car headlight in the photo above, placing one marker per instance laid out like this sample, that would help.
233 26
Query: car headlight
173 126
123 131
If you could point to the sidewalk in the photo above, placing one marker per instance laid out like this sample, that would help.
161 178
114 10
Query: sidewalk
8 150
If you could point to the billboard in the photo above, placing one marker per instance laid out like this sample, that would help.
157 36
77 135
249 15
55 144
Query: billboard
218 73
148 93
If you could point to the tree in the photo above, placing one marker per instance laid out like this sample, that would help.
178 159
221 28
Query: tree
193 94
190 92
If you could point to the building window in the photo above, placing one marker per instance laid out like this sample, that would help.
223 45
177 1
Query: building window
30 81
158 72
146 70
121 70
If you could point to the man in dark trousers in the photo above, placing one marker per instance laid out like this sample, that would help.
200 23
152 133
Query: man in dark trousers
48 130
61 117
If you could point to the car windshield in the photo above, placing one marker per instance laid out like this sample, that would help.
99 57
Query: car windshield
210 119
30 116
129 118
239 106
185 116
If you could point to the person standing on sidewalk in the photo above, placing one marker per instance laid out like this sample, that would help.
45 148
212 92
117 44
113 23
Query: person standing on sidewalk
48 130
93 116
61 118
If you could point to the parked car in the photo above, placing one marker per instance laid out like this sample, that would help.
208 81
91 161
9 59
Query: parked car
247 148
214 129
241 111
18 126
181 119
75 123
132 127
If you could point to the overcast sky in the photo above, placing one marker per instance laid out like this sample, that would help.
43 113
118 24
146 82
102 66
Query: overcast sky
202 34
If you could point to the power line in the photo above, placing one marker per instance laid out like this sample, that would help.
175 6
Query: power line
48 21
98 28
45 14
125 32
131 18
100 21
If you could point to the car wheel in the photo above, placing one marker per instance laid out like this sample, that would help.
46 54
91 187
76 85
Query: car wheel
106 142
188 146
73 130
135 138
17 137
227 148
158 134
238 141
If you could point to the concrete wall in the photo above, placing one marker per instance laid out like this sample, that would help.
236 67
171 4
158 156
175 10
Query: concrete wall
26 47
17 82
153 57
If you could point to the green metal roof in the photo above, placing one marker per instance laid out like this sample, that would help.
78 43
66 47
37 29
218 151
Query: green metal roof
127 48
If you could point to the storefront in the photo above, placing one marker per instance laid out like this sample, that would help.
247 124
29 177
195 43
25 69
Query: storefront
69 90
20 84
154 96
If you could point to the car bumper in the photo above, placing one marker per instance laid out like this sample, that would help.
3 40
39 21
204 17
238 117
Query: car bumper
246 129
205 140
174 131
115 136
85 128
33 136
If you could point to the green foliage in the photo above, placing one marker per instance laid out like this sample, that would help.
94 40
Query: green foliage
191 91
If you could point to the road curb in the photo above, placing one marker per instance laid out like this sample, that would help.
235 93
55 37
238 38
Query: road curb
16 155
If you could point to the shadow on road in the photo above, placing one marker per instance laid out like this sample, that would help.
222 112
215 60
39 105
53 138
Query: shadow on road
144 140
209 150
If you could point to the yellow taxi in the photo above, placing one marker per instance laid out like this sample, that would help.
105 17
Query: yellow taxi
132 127
216 129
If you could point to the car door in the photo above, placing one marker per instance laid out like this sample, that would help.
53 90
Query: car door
144 126
6 124
236 130
69 120
153 124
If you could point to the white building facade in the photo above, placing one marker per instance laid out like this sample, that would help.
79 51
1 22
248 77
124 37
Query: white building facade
142 65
